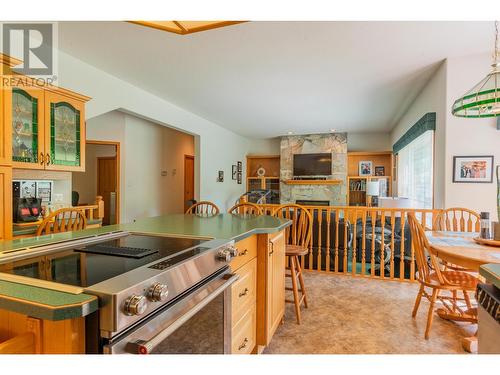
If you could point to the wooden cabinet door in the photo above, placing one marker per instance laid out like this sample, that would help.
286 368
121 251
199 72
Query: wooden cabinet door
276 282
64 133
26 124
5 203
5 134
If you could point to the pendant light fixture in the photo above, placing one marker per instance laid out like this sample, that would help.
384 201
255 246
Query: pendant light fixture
483 100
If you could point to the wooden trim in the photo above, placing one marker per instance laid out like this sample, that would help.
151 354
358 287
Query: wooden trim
182 29
9 60
263 157
312 182
118 175
368 153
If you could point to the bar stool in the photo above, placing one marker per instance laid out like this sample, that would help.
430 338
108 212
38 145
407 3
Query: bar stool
298 237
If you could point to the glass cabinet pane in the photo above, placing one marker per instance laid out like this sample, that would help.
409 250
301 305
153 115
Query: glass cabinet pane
64 134
24 127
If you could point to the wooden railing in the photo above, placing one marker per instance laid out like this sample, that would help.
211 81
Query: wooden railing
93 211
346 242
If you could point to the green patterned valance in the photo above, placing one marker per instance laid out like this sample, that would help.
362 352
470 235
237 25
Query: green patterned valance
427 122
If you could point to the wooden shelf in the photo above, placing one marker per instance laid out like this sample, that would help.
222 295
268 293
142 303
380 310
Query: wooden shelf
312 182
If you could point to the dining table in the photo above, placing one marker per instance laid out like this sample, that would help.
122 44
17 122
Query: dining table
461 249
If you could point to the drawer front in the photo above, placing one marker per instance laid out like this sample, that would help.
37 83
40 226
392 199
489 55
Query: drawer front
244 290
247 250
244 333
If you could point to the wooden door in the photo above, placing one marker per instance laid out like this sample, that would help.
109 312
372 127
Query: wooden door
5 203
188 180
26 124
64 133
106 183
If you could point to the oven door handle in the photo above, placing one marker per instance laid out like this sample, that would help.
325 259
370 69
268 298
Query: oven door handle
147 346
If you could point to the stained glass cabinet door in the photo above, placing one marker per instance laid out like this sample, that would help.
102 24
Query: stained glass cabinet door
27 133
65 133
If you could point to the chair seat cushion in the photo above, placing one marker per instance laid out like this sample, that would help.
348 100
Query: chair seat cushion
295 250
458 278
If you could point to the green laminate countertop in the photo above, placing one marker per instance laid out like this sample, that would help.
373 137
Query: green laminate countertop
491 272
49 304
45 303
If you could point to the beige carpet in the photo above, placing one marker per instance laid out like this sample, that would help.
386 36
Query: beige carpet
349 315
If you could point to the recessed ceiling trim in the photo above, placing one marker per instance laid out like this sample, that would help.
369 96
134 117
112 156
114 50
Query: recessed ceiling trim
181 28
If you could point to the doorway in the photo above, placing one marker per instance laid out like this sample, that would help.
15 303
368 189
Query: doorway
101 178
188 180
107 186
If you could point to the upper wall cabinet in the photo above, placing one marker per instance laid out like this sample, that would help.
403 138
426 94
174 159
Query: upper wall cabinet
26 117
47 126
64 133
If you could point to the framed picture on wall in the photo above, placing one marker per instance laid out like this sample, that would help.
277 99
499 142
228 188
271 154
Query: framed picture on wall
365 168
473 169
240 166
239 179
380 171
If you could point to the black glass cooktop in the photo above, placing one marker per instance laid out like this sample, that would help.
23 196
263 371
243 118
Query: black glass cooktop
90 265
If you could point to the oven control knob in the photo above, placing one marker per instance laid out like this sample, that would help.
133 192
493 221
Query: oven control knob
224 255
158 292
233 251
135 305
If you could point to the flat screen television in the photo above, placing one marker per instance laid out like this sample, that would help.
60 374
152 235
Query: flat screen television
312 164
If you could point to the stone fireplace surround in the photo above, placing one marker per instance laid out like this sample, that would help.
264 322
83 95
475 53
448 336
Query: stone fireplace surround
336 143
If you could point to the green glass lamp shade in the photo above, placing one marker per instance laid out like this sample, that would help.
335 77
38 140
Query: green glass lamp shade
483 100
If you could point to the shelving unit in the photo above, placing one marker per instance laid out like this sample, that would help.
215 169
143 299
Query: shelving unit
270 180
356 185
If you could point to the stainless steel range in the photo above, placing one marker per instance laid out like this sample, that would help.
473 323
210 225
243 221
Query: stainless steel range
156 294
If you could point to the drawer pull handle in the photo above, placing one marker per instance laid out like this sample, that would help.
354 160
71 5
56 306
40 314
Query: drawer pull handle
41 158
244 344
245 252
244 293
47 162
272 247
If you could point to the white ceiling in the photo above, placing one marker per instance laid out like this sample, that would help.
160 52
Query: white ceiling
264 79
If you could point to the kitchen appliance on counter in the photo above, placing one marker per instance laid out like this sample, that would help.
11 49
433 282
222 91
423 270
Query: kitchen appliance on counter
156 294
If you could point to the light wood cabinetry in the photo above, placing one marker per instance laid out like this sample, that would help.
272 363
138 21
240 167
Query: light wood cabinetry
23 334
41 127
258 297
244 297
270 285
5 202
64 131
271 178
356 184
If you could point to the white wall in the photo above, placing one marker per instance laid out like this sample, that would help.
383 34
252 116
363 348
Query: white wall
432 98
216 148
469 136
369 142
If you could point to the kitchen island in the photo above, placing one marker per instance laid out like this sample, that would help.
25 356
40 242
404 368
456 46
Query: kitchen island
28 309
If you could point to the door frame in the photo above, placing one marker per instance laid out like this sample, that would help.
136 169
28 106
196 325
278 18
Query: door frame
118 166
187 156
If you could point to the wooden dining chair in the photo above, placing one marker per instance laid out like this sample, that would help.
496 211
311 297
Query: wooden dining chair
430 275
203 208
246 208
298 239
457 219
63 220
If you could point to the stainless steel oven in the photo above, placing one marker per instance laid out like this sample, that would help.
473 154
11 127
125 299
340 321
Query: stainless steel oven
198 322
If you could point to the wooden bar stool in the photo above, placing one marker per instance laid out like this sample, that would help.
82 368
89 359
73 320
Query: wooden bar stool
293 253
298 238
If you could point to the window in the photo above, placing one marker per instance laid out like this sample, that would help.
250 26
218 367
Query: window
414 170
